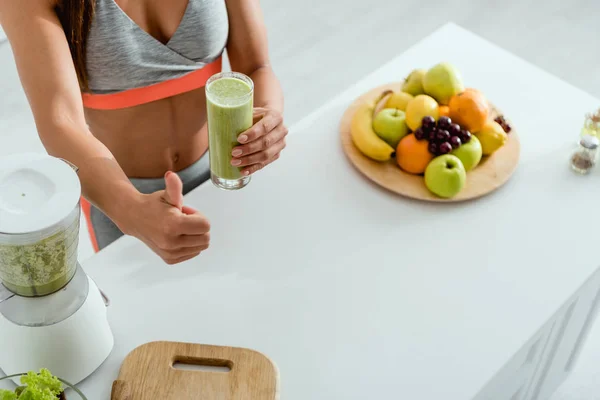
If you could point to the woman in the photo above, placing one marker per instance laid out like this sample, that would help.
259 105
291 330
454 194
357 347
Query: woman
116 88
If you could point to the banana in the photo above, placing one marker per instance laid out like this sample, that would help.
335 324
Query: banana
363 135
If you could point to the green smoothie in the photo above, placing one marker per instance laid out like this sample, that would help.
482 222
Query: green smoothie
44 266
229 99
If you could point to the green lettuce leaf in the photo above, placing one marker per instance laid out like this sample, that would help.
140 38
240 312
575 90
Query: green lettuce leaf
42 381
42 386
36 393
7 395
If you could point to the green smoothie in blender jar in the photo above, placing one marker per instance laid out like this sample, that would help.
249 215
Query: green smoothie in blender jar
229 100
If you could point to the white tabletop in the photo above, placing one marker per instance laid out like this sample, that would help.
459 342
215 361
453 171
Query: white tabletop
357 293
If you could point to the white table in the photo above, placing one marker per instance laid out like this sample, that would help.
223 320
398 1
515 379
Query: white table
357 293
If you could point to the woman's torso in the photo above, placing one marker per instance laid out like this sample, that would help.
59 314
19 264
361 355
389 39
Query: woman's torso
135 44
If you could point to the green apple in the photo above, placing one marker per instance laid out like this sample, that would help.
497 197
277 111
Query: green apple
414 82
445 176
399 100
390 125
469 153
442 82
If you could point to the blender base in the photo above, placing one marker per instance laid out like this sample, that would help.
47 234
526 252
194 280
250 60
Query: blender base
71 349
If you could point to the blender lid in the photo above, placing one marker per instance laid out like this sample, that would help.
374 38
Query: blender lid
37 191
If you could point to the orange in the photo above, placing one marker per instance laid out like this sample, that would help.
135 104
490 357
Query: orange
473 90
469 109
444 111
413 155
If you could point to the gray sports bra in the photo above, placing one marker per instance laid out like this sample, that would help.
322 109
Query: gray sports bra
122 56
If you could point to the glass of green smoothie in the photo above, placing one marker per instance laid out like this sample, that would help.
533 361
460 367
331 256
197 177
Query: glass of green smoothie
229 102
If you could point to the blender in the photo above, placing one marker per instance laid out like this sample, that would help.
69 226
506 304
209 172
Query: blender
52 315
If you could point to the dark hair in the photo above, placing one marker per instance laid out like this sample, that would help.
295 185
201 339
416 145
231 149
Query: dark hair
76 19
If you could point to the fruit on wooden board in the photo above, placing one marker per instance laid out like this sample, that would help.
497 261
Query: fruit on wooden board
445 176
363 135
477 91
469 153
399 100
444 111
413 84
389 124
492 137
413 155
503 123
469 109
442 81
442 135
433 127
419 107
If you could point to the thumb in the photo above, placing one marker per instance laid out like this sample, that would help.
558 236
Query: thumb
173 190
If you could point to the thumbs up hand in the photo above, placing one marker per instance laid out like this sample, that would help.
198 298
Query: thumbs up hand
174 190
173 231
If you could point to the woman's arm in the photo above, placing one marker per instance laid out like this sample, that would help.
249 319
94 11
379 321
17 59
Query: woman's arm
248 53
50 83
48 77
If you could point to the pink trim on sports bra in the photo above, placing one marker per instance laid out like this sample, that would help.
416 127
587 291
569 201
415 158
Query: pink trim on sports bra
158 91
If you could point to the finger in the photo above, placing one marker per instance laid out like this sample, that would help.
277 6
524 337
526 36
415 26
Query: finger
187 251
188 241
184 241
181 259
260 158
263 143
265 125
189 210
172 257
174 190
173 261
256 167
193 224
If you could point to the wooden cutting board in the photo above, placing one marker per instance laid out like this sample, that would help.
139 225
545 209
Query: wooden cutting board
148 372
493 171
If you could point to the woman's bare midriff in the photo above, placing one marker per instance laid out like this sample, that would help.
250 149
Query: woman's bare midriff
150 139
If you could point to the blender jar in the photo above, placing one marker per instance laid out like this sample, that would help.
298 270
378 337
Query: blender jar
39 224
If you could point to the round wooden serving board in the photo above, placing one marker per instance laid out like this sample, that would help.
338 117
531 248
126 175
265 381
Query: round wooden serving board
493 171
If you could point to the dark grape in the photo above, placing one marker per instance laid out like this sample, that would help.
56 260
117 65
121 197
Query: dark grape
502 121
455 142
444 122
428 121
454 129
419 134
445 148
442 135
433 148
465 136
432 134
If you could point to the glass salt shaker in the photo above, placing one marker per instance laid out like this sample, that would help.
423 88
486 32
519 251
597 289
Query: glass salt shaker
591 124
584 159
